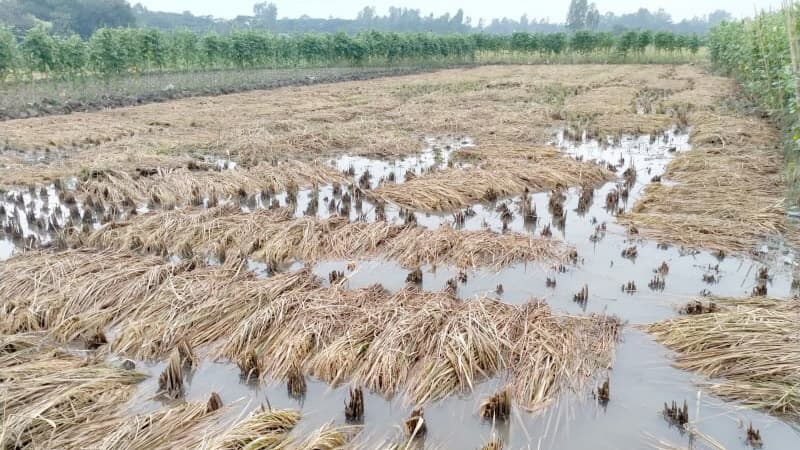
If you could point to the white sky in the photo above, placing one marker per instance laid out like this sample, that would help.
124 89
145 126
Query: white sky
555 10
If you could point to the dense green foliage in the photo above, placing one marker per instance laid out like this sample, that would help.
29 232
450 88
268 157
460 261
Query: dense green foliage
7 52
756 52
138 50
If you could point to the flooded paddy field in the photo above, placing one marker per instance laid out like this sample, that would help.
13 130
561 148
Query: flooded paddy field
540 243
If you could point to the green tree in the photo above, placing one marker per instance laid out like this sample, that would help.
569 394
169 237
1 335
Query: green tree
582 15
643 41
627 42
75 16
664 41
584 42
106 55
86 16
39 50
592 17
214 50
554 43
366 15
576 15
694 43
152 48
266 13
72 55
8 52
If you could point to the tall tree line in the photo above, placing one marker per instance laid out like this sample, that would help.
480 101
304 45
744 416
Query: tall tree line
80 17
83 17
113 51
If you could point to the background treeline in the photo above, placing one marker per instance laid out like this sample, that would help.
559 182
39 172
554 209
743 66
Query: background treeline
64 17
759 53
83 17
138 50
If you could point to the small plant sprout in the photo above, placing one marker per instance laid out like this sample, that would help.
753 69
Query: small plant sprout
630 252
497 407
295 382
657 283
214 403
604 392
696 307
582 296
170 382
415 426
754 437
676 415
354 406
415 276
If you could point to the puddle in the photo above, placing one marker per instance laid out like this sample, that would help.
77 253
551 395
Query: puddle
602 265
219 163
600 241
29 217
641 381
436 156
642 378
7 248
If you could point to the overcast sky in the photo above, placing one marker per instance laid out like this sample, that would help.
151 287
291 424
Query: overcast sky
555 10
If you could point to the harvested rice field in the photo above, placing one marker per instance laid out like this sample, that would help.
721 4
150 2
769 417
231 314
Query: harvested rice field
524 256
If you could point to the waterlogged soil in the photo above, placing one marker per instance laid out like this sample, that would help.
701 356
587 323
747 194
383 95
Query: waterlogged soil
641 379
640 382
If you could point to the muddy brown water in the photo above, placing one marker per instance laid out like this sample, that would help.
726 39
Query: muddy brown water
642 378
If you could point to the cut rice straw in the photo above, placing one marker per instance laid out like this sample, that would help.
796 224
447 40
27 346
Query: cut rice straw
749 348
422 344
699 441
46 392
198 307
451 189
262 429
327 437
470 347
552 354
183 426
728 192
77 291
53 399
275 237
182 186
